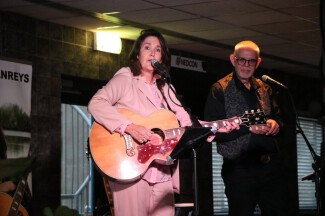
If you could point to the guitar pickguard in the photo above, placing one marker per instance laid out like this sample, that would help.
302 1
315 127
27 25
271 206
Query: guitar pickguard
147 150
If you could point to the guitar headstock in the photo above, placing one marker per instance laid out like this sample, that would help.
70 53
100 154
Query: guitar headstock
253 117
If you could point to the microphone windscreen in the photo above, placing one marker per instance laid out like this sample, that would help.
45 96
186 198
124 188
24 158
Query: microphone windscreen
154 62
265 78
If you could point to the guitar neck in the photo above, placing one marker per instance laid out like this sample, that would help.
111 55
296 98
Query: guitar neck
248 118
215 125
17 198
173 133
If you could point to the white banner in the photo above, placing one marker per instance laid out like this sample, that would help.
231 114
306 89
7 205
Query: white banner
15 106
15 85
186 63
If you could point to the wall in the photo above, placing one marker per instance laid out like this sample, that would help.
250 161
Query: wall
53 50
59 54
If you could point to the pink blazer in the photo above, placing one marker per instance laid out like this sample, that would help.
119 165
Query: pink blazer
127 91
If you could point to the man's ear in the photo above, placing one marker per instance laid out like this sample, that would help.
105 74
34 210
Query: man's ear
232 59
258 62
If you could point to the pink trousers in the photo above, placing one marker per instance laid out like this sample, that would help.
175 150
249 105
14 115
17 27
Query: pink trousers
142 198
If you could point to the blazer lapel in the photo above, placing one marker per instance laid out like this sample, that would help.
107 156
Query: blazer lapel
142 86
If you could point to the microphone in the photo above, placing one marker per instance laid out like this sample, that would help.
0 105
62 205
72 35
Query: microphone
271 81
160 69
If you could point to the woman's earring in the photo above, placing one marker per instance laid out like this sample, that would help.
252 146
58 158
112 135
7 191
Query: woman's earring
137 56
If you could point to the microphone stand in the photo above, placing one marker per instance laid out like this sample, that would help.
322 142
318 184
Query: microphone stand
316 165
195 123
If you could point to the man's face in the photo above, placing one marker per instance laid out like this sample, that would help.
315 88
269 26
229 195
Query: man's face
245 62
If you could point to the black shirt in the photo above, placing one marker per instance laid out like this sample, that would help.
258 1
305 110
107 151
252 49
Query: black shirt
215 110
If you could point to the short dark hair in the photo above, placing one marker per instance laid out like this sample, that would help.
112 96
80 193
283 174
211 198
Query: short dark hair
134 63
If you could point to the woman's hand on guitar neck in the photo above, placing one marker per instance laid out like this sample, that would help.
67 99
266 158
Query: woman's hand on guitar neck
270 128
138 132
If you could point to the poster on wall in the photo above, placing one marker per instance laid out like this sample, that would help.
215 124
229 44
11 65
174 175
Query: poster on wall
15 106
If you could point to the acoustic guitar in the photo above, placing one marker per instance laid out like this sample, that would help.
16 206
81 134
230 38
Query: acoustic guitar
126 160
11 206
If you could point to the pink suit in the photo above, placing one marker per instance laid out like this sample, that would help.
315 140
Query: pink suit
153 194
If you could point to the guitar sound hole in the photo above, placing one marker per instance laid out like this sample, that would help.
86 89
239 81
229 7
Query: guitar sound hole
159 132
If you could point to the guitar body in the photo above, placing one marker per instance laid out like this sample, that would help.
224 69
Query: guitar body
5 204
118 156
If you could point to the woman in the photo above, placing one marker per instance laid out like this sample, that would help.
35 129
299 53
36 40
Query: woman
140 89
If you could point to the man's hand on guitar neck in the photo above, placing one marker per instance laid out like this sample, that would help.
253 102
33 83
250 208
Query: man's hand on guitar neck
228 127
270 128
138 132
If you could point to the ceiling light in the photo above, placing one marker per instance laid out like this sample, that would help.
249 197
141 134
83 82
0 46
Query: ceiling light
108 42
110 13
108 27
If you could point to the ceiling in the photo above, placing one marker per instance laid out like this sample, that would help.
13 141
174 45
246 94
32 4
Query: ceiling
287 31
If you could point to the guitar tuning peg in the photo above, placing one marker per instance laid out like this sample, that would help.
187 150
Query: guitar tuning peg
252 111
258 110
246 112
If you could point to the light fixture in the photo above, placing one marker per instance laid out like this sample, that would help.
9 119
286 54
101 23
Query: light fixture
108 42
108 27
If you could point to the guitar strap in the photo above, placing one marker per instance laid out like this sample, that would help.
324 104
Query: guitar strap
165 99
109 194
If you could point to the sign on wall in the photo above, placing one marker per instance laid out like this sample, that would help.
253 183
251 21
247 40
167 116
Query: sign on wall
187 63
15 106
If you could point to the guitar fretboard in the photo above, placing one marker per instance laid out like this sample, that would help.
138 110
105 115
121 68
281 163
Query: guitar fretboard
175 132
215 125
247 119
20 190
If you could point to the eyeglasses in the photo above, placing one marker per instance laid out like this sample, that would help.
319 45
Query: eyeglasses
242 61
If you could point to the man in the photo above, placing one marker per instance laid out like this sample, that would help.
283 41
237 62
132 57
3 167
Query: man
252 171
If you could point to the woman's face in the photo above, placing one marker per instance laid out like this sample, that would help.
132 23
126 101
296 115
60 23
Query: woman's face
150 49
